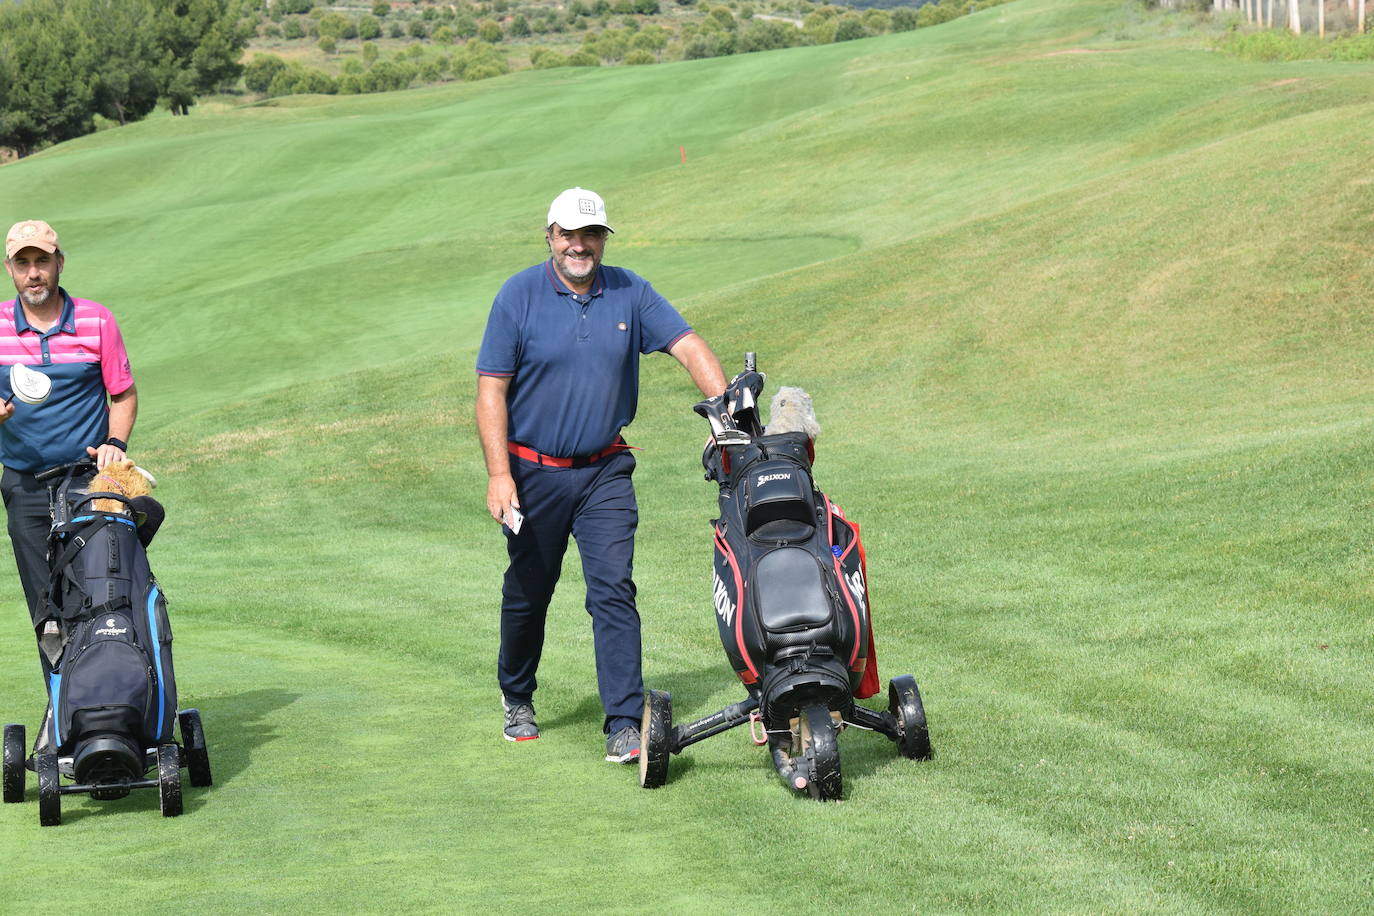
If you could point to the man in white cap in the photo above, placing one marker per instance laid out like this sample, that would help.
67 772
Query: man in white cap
89 410
557 381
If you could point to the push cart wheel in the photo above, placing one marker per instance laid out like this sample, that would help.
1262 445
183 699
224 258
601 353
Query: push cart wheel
14 763
904 702
656 729
821 749
197 754
49 790
169 779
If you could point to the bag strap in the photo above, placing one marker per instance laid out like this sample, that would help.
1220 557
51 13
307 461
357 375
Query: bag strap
80 537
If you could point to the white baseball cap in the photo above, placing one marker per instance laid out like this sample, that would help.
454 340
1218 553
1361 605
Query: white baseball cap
577 208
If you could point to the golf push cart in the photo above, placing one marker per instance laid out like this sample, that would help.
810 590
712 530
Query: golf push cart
790 594
112 692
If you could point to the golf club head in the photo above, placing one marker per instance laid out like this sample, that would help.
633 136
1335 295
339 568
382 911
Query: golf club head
28 385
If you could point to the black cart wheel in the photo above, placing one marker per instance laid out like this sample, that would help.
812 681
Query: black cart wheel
49 790
821 749
655 732
197 754
14 763
169 779
904 702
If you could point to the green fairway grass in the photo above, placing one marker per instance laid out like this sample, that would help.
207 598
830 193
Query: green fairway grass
1085 311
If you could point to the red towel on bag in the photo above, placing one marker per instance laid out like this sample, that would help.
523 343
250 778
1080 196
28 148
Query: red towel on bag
870 684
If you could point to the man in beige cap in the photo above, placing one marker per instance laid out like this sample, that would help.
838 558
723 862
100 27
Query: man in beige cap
89 410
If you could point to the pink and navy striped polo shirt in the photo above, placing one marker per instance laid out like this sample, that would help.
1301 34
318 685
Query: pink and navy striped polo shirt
84 356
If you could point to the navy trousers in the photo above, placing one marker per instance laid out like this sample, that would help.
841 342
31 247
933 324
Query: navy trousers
596 505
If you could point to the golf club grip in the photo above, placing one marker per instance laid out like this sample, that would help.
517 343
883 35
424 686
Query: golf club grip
61 469
751 361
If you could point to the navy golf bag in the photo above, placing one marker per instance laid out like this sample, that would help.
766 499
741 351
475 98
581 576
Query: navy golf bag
112 689
112 698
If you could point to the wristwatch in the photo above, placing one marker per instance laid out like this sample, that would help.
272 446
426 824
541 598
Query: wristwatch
118 443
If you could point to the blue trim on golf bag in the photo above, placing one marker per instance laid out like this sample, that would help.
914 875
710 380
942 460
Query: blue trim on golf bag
157 656
54 688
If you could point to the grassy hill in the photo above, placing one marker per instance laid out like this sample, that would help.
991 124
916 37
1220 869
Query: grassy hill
1083 307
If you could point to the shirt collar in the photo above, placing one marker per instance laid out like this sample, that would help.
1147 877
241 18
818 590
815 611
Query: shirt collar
562 289
66 322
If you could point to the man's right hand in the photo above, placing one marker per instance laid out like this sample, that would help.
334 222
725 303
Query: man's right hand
501 495
6 410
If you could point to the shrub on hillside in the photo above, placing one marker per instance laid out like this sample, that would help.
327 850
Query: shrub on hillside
335 25
877 22
936 13
1272 45
381 9
639 57
650 38
849 27
328 45
904 19
314 81
369 27
490 32
709 44
292 29
722 18
479 60
294 79
259 72
1353 47
388 76
482 72
768 35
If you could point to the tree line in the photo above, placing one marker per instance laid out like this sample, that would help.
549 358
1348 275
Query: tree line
63 62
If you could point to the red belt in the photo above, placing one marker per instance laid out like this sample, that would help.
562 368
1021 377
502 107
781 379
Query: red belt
577 461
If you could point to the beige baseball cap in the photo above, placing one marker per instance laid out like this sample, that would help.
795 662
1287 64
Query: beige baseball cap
30 233
577 208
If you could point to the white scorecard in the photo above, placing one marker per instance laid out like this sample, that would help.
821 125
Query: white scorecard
29 386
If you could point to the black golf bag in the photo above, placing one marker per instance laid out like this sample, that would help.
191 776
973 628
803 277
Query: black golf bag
112 689
790 588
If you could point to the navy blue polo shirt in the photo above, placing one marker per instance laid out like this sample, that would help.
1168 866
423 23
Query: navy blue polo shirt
573 360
